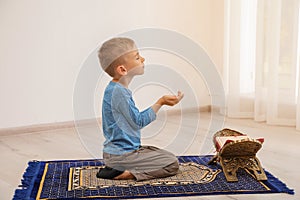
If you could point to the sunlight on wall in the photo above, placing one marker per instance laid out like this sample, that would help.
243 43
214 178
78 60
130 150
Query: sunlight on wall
247 46
298 60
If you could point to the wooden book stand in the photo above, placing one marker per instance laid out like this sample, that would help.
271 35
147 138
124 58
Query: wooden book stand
236 150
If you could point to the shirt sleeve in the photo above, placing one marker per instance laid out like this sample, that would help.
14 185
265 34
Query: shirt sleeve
136 119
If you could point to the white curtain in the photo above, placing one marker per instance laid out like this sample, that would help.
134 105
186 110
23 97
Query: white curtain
261 60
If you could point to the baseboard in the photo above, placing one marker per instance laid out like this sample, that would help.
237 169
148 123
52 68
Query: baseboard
80 123
36 128
189 110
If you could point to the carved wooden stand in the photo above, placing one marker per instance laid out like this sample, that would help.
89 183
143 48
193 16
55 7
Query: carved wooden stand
238 154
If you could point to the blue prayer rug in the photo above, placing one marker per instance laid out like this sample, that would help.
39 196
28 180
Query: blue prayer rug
76 179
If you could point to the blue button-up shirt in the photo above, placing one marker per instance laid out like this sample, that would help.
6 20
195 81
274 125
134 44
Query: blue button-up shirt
122 121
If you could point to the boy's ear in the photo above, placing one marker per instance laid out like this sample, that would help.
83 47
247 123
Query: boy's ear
121 70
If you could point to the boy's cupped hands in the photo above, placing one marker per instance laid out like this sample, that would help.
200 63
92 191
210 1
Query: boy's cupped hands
170 100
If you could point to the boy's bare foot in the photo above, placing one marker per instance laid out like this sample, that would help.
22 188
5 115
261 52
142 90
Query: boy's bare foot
124 176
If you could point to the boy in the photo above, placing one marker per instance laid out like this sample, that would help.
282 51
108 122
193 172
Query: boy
123 154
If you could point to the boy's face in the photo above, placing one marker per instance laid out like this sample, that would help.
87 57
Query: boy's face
134 63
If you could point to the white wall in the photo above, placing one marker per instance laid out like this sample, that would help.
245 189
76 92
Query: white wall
45 42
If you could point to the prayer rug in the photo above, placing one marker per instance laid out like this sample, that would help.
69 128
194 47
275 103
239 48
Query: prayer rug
76 179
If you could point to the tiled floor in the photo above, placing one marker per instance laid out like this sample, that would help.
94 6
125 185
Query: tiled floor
185 135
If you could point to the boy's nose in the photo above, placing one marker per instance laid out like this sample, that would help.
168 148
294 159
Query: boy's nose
143 59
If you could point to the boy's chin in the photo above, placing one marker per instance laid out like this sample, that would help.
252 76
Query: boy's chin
138 74
139 71
142 72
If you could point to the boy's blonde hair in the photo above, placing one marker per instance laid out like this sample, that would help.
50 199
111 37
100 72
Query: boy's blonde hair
111 52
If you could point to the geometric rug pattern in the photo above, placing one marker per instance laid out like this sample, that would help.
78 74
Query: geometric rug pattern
189 173
75 179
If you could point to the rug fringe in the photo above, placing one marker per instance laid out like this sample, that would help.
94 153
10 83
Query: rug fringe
278 185
27 182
